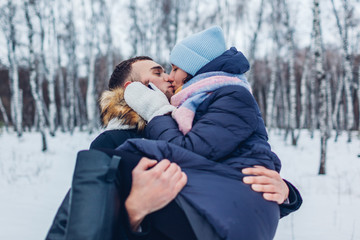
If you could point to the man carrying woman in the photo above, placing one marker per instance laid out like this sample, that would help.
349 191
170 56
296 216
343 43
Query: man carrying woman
223 140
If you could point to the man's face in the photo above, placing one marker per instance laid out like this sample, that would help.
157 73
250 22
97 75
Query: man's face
150 71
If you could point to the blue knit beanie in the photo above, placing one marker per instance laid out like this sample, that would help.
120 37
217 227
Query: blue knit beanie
195 51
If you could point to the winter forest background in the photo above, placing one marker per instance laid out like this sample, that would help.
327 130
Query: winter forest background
57 56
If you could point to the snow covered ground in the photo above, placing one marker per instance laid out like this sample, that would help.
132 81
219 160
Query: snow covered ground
32 185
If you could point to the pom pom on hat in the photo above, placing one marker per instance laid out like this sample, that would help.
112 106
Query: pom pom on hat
197 50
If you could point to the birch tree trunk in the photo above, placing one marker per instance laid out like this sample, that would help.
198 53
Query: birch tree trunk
320 77
70 44
80 105
63 115
358 97
292 81
16 92
341 121
106 15
270 96
254 43
274 66
51 85
35 88
303 96
313 90
4 115
330 125
339 92
285 102
343 32
47 70
91 93
134 35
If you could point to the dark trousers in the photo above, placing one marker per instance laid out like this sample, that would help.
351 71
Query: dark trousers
167 223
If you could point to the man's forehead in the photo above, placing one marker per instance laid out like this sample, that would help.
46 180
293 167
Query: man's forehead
146 65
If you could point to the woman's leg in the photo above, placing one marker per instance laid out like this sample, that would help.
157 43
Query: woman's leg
169 221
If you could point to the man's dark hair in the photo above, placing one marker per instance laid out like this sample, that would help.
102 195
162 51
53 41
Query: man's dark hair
123 70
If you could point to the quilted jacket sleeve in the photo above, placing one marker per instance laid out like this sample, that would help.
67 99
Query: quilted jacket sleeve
295 201
227 117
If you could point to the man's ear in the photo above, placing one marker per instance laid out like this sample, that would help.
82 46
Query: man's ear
127 84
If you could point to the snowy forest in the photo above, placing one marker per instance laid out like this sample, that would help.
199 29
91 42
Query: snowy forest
57 56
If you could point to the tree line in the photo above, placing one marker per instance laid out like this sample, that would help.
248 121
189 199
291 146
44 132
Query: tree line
59 56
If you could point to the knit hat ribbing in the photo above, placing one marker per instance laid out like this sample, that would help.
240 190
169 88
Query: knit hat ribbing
195 51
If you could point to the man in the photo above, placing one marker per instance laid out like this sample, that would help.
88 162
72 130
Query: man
155 184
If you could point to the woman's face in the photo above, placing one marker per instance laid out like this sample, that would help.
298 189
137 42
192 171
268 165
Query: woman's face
178 76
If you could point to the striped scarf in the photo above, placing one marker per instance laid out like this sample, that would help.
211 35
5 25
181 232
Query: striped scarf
194 92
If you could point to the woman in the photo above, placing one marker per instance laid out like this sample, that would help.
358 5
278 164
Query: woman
218 119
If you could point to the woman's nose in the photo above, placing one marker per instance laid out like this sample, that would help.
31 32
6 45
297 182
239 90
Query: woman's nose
168 78
171 77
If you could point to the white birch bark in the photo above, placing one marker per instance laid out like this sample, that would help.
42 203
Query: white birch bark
70 45
16 92
339 92
254 43
303 95
35 88
285 102
4 115
291 65
80 105
270 96
313 116
64 115
47 70
107 16
271 107
90 93
320 77
358 97
343 32
134 39
341 122
329 105
51 91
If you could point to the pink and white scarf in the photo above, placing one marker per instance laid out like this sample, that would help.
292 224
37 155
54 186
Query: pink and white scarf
194 92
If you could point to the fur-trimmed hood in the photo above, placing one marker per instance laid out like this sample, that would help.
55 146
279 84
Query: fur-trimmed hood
116 114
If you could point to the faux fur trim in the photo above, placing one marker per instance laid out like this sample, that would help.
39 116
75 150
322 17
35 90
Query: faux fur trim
116 114
118 124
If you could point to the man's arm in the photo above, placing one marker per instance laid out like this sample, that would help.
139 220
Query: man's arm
274 188
154 185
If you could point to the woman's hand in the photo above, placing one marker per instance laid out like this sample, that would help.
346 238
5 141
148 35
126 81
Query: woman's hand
268 182
146 102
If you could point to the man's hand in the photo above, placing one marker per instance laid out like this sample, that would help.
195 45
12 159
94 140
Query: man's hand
152 189
268 182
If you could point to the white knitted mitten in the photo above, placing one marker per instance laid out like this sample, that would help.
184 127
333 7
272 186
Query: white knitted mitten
148 103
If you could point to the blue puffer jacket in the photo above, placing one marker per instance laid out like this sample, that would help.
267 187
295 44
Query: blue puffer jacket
217 193
227 127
